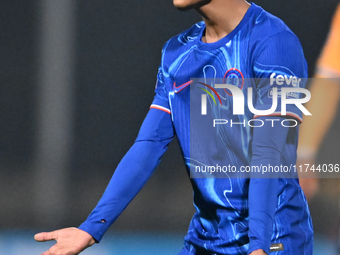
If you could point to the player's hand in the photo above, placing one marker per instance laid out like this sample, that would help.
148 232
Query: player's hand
70 241
258 252
310 187
309 181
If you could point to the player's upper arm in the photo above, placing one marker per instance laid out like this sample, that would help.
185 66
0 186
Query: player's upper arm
279 63
157 125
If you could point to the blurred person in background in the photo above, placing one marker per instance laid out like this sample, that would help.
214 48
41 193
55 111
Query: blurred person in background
325 91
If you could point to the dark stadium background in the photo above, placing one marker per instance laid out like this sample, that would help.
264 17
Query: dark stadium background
111 71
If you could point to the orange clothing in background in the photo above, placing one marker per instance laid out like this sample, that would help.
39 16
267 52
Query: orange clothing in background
329 61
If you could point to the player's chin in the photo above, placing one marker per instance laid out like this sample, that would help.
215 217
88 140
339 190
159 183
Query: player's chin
189 4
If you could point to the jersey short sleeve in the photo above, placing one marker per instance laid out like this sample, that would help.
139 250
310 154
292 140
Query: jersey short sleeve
328 63
279 63
161 101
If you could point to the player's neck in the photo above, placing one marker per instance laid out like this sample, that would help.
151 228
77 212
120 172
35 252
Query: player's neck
221 17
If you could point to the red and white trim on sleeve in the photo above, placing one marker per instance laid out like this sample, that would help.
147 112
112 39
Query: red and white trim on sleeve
278 114
154 106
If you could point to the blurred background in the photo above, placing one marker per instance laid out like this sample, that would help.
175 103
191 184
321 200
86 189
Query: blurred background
77 78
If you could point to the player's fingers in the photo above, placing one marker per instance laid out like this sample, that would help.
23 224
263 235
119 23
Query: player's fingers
46 253
59 252
46 236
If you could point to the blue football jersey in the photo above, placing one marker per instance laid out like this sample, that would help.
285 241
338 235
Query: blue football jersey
261 53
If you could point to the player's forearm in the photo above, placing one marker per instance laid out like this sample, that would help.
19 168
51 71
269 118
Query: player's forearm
262 206
132 172
323 105
267 145
130 176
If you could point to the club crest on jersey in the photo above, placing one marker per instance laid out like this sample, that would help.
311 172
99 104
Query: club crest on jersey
233 77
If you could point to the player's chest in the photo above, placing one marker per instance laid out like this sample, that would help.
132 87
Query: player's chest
226 66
